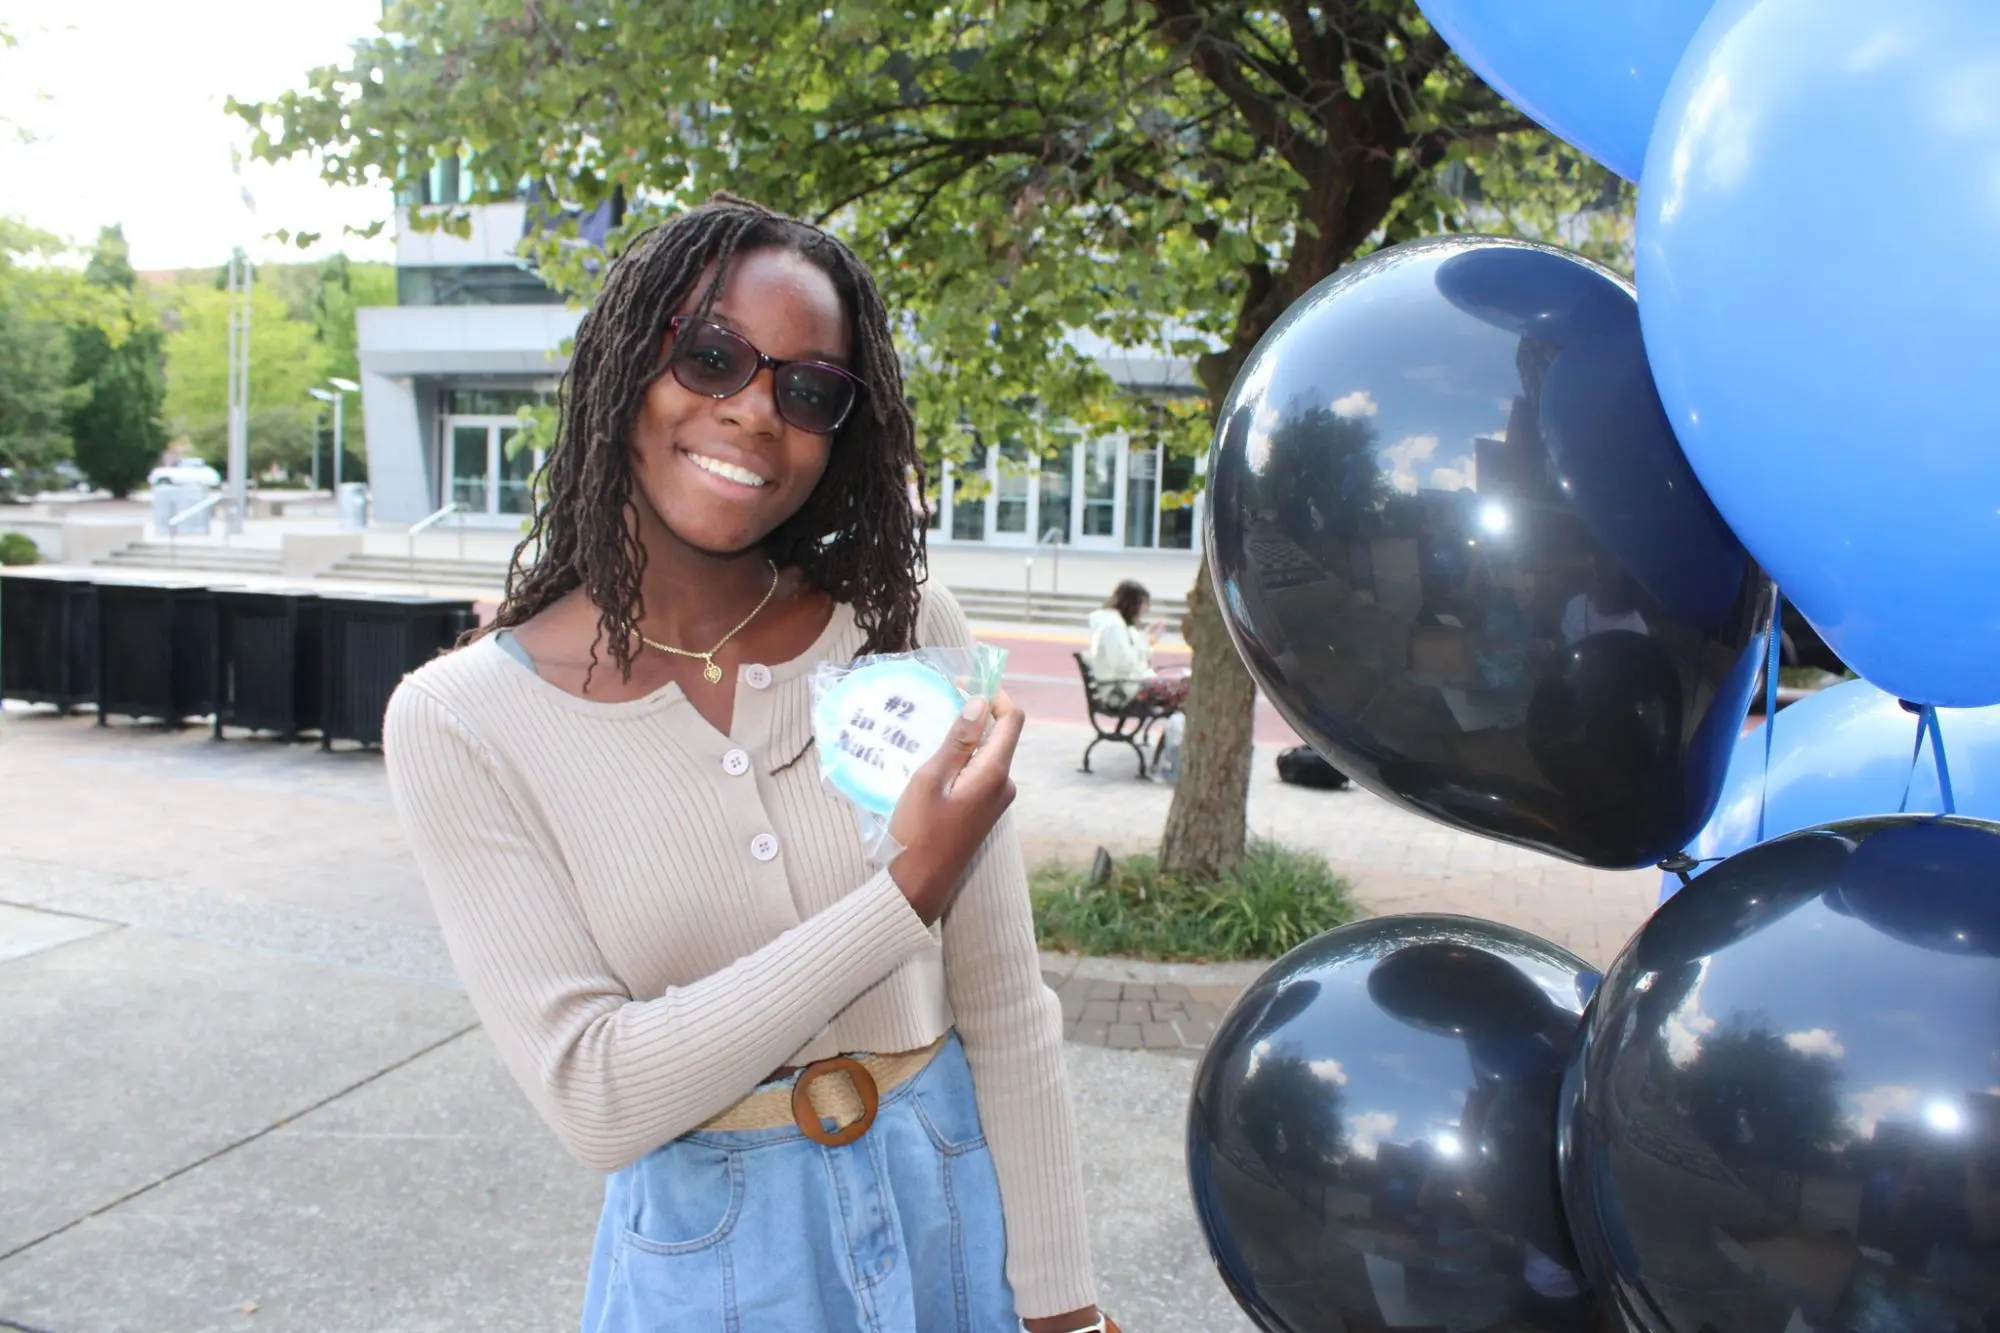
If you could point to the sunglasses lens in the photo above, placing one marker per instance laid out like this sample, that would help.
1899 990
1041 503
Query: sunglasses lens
815 398
712 360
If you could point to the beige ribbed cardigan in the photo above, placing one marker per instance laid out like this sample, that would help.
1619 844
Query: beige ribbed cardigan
650 917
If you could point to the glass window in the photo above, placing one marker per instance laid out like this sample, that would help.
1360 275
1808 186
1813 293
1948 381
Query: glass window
1177 524
968 509
489 402
1100 488
1011 489
1142 494
452 181
473 284
1058 481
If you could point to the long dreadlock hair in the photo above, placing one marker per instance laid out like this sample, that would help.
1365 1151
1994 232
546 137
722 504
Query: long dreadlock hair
855 537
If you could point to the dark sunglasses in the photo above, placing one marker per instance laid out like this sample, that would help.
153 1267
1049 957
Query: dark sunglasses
720 363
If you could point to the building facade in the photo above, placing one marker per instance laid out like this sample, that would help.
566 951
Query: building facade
476 335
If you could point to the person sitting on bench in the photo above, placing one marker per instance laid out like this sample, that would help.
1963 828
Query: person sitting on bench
1121 654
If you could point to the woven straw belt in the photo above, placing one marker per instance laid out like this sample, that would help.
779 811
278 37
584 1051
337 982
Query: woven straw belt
845 1089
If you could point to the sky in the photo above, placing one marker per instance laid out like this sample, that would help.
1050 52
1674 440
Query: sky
123 103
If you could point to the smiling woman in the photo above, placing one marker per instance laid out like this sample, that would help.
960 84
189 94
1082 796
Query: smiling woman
663 916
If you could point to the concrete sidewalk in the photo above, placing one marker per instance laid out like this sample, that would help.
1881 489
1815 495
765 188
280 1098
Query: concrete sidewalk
201 1136
244 1091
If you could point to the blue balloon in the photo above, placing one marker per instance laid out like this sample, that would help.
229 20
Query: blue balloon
1844 753
1592 72
1821 307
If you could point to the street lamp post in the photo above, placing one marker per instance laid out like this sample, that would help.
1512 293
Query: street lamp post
319 417
337 395
240 283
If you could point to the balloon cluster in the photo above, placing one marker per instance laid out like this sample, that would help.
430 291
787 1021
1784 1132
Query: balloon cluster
1491 528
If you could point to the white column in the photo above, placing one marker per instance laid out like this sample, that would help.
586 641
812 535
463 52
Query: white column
396 475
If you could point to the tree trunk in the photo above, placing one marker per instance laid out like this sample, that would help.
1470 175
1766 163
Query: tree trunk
1205 824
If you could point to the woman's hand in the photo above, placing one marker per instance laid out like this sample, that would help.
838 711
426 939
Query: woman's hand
952 803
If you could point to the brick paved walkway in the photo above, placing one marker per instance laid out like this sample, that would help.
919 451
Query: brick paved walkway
1138 1015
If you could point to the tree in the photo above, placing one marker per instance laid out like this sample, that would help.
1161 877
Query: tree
286 360
116 423
1757 1101
1164 173
36 396
342 290
302 333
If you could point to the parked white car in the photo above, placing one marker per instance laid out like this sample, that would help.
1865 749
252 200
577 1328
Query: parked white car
187 472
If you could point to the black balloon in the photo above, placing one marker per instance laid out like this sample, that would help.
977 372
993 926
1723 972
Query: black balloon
1461 551
1784 1113
1372 1136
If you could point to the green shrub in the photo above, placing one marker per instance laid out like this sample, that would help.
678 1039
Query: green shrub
1274 899
18 549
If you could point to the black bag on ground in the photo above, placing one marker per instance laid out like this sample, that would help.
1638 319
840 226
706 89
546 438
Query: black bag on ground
1302 766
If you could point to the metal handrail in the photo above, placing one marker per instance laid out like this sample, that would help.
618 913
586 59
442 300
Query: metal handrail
174 525
1053 539
430 521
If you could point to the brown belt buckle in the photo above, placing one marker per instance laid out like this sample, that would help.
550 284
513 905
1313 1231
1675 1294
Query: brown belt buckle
806 1116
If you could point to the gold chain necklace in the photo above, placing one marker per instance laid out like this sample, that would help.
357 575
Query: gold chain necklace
713 673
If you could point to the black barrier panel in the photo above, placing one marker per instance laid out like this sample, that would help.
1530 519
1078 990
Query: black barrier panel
269 661
371 643
48 639
155 652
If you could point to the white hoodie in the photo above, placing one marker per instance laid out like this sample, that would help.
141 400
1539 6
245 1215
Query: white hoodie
1120 656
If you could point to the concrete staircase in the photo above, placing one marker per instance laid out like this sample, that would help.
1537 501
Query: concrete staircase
429 571
1069 610
206 557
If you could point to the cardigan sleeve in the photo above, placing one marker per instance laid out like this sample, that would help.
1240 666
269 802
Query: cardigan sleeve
1011 1025
615 1075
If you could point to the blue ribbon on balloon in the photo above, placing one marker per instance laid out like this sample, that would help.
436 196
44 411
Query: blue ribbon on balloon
1771 663
1684 865
1927 725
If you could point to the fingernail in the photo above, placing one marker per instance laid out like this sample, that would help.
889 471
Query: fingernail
975 708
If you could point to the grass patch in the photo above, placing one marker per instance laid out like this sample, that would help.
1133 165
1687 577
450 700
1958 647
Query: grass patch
1274 899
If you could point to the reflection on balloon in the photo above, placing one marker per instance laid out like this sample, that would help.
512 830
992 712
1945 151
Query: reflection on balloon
1459 549
1591 72
1843 753
1371 1138
1785 1109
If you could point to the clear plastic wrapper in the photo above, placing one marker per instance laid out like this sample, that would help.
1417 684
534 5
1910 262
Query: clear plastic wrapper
878 719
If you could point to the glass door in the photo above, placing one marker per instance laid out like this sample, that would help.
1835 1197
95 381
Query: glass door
485 474
1013 520
1056 487
1142 494
968 499
1179 524
516 469
471 471
1098 499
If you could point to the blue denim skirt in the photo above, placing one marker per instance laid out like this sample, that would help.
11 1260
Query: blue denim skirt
765 1229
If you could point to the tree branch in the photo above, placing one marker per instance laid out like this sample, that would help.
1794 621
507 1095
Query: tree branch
1316 54
1266 117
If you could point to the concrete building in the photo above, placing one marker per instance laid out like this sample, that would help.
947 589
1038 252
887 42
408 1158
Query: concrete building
476 335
